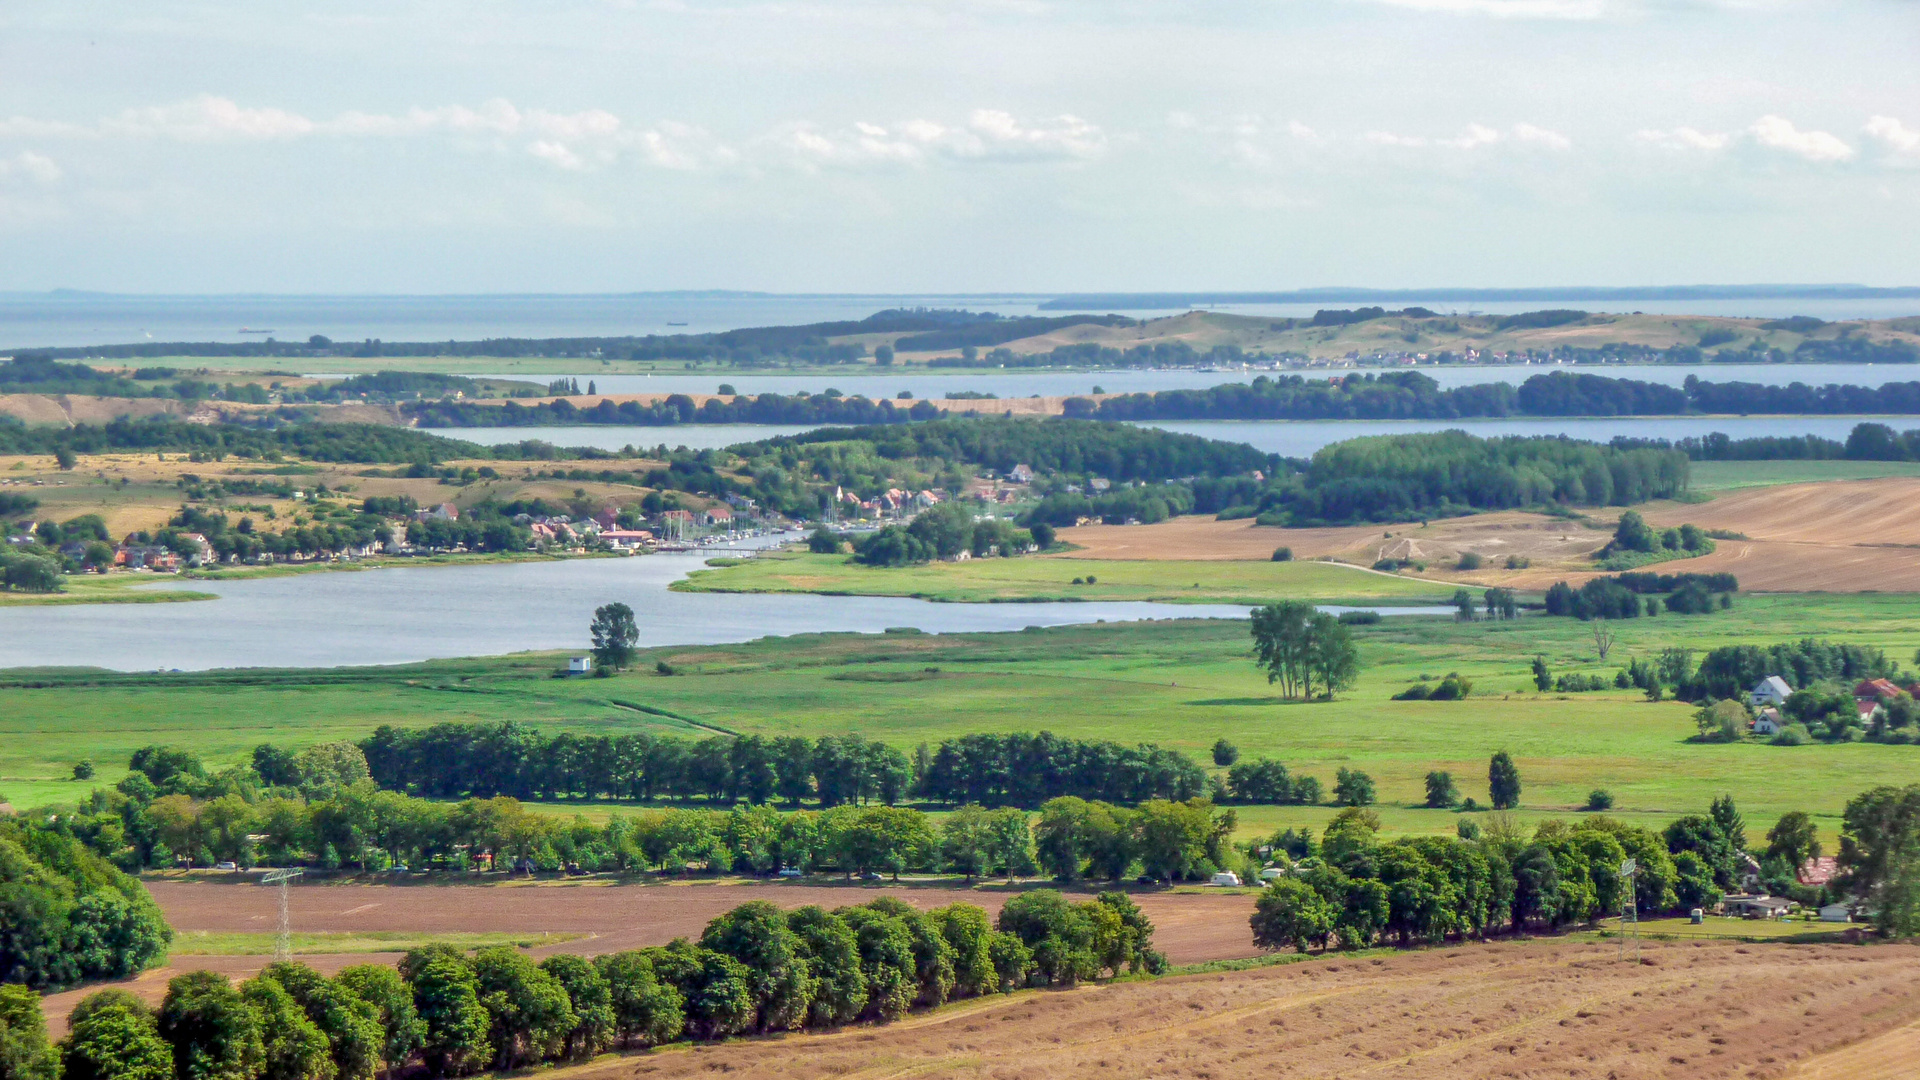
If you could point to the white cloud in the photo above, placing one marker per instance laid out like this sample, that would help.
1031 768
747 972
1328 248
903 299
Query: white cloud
1475 136
1544 136
1893 134
1778 133
986 135
556 154
205 118
1686 138
27 165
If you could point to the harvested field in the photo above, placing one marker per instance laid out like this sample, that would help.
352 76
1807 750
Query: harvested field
1545 541
1515 1009
1191 928
1831 536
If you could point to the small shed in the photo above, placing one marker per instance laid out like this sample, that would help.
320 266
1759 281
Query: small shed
1840 912
579 665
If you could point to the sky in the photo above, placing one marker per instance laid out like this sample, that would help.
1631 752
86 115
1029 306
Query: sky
955 145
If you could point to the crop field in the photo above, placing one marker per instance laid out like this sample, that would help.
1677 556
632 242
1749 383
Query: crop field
1714 476
1180 684
1519 1009
1046 578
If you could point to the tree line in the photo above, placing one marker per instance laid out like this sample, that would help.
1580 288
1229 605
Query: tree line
755 969
1413 477
456 760
320 807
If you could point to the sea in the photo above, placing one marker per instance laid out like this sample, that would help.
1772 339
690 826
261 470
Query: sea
68 318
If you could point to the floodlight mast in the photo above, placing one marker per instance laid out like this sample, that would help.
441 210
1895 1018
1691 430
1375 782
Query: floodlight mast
283 940
1629 908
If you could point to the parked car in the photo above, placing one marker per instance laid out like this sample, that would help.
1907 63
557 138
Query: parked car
792 871
225 866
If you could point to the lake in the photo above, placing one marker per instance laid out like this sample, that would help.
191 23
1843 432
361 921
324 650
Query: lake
1292 438
405 614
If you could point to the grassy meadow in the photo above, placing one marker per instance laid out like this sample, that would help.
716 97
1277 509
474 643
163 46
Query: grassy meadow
1708 477
997 580
1182 684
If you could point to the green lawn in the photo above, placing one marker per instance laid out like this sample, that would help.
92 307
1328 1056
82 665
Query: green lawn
1181 684
992 580
1709 476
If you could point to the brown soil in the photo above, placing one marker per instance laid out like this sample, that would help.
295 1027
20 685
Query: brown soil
1832 536
1191 927
1545 541
1517 1009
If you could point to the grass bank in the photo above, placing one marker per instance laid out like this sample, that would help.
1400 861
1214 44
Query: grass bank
111 589
1053 578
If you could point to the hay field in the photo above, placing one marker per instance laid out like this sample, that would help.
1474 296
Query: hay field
1515 1009
1828 536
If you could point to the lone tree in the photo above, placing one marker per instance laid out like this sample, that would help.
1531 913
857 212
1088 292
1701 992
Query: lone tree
1441 793
614 635
1301 648
1503 782
1225 753
1602 636
1542 678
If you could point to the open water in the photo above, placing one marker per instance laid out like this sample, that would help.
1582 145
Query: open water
399 615
77 318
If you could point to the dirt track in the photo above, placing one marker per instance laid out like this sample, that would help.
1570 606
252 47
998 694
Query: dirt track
1521 1009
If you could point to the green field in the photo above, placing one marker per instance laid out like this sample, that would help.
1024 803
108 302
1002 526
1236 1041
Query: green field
1708 476
1182 684
997 580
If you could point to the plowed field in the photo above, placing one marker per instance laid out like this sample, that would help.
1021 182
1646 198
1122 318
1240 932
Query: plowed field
1189 927
1520 1009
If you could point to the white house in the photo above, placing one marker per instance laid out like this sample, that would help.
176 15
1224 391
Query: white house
579 665
1840 912
1768 722
1772 690
1021 474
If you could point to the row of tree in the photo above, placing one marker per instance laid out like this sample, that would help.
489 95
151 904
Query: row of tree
755 969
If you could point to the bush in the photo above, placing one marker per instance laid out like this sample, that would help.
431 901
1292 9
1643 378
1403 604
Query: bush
1359 618
1599 799
1454 687
1351 787
1792 735
1416 692
1722 721
1469 560
111 1035
1283 554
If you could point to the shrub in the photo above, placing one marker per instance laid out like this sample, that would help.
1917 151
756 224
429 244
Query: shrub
25 1053
1470 560
1351 787
1454 687
1722 721
111 1035
1792 735
1359 618
1599 799
1416 692
1283 554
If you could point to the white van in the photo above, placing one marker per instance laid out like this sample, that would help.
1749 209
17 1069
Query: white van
1225 877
